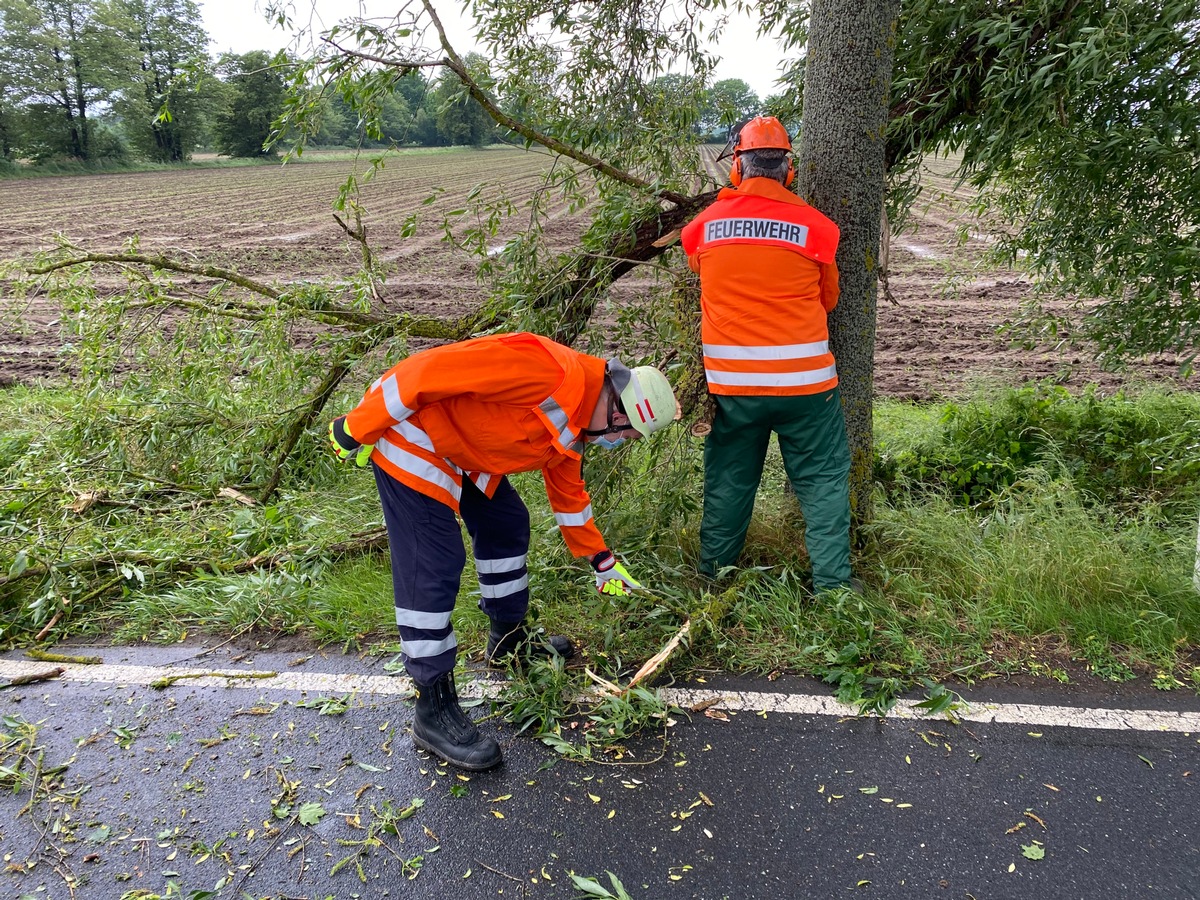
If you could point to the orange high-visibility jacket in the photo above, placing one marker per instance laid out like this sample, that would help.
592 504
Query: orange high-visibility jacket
768 279
488 407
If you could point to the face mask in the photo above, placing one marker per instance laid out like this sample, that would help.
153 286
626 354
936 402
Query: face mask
609 443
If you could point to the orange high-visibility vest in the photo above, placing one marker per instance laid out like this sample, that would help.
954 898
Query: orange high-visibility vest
768 279
485 408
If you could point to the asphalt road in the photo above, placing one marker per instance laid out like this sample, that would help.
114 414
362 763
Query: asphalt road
294 788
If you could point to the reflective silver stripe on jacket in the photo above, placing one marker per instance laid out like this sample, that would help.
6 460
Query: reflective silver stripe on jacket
772 352
427 621
496 566
504 588
391 399
481 479
770 379
426 471
558 418
413 435
422 649
580 518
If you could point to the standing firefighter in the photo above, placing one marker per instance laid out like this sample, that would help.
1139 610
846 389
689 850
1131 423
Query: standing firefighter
767 283
447 425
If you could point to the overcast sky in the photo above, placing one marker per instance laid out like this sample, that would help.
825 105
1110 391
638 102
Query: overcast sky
239 26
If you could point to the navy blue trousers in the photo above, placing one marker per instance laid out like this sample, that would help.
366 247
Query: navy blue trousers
428 559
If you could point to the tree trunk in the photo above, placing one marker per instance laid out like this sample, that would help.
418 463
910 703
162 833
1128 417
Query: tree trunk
79 95
841 171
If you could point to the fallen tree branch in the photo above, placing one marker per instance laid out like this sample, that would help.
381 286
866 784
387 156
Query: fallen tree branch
329 383
648 668
589 274
386 326
34 677
158 261
43 656
361 542
168 680
359 234
455 64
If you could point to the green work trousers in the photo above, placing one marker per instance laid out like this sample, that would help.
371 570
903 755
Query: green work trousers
812 437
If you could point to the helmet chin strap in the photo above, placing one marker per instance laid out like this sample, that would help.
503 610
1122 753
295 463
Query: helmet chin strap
613 408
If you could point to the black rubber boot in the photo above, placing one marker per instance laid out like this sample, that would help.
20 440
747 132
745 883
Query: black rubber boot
441 727
508 638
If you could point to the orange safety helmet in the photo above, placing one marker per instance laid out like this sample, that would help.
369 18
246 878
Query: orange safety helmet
759 133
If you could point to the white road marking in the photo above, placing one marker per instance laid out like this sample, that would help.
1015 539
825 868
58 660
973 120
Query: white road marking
685 698
1001 713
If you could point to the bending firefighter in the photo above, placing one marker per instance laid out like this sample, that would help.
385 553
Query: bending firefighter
447 425
767 283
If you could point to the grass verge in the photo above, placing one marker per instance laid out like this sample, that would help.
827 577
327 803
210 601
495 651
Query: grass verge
1008 536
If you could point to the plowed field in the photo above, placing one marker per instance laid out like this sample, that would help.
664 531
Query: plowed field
275 223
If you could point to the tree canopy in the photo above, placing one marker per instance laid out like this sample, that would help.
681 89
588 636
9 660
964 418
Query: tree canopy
253 101
1080 125
102 80
166 96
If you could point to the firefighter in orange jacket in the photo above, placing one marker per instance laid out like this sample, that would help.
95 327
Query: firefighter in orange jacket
442 429
768 280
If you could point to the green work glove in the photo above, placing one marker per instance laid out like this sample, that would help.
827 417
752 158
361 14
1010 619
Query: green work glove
345 446
612 577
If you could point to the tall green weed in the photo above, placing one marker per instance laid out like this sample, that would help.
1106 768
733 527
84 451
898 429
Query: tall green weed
1123 451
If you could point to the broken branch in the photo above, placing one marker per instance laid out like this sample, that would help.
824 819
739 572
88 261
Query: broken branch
36 676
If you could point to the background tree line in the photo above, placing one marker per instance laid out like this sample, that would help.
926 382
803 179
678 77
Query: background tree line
113 80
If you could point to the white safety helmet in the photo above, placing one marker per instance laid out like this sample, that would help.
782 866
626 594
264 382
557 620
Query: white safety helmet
646 396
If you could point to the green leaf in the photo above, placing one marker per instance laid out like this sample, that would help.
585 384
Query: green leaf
310 813
1033 851
589 886
592 888
618 887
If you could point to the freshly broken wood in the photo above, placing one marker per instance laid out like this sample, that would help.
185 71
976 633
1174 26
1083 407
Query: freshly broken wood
668 239
608 686
36 676
87 500
703 426
653 663
234 494
648 668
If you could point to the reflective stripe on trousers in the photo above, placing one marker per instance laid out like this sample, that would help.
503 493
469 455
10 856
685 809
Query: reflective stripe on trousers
499 530
428 557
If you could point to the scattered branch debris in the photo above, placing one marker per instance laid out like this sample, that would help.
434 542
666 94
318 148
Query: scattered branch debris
34 677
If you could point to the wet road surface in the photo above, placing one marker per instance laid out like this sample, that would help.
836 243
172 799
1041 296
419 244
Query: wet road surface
306 785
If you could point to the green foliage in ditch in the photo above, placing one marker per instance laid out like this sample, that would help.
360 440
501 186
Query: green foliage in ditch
1123 451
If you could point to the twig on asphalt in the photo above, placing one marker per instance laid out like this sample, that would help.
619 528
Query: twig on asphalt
36 676
250 869
520 881
44 656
